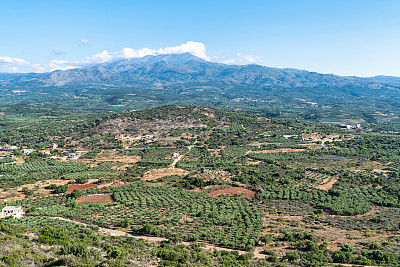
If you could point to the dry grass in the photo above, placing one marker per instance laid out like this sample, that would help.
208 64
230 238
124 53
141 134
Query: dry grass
327 184
158 173
237 192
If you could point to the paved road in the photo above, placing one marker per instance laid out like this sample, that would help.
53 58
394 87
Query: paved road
158 239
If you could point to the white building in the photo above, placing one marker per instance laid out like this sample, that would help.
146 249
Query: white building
53 146
290 136
7 147
12 211
28 151
74 155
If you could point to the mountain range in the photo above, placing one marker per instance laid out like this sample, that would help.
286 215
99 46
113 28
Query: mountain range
183 79
186 69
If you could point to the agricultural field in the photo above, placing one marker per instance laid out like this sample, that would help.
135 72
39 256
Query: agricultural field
94 199
291 192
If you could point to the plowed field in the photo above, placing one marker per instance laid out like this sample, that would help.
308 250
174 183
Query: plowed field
95 199
237 192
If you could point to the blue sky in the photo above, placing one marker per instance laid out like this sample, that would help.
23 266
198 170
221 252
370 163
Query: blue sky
353 37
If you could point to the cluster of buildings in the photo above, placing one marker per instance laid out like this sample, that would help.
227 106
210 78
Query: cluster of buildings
28 151
52 146
350 126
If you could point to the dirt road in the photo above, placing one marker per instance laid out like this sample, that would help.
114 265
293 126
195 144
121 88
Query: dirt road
180 157
113 232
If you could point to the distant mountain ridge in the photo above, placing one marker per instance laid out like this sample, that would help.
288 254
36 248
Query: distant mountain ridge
167 70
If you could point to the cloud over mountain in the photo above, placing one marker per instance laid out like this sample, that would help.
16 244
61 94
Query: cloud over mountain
9 64
195 48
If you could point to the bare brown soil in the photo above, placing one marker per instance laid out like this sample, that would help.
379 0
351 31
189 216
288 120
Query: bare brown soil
158 173
89 185
253 162
38 188
112 156
114 184
95 199
237 192
327 185
72 187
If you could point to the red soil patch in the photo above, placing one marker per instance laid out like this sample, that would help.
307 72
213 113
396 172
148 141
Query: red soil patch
72 187
95 199
237 192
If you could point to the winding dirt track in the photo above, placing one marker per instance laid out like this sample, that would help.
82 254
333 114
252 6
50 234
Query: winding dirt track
157 239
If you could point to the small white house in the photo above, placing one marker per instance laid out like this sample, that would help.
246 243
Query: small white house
7 147
174 155
72 156
12 211
28 151
53 146
44 152
290 136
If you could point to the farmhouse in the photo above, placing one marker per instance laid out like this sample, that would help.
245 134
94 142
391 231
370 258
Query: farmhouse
53 146
44 152
27 151
7 147
174 155
11 211
72 156
290 136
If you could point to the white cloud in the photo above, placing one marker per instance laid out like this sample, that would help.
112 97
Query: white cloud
13 61
84 41
229 61
132 53
195 48
12 64
247 59
241 59
8 64
60 65
102 57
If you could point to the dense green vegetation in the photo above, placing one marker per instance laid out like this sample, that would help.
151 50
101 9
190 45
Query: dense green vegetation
239 182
